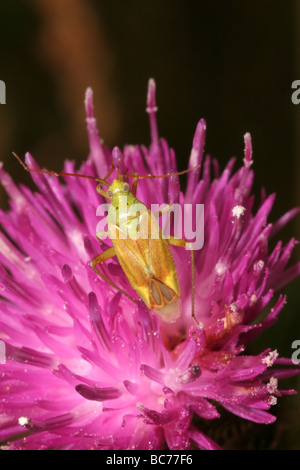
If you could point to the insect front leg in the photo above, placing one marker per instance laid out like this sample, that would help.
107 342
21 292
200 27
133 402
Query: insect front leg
134 184
107 254
187 245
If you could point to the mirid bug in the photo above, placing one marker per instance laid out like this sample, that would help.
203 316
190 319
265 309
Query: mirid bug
139 245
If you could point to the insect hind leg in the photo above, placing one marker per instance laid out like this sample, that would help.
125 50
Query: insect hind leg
185 244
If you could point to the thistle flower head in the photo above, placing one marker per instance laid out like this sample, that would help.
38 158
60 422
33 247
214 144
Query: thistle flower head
84 366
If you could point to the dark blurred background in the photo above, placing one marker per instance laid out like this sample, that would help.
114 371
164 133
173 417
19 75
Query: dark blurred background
230 62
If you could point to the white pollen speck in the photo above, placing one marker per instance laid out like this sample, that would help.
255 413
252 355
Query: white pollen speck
234 308
23 420
270 358
220 268
272 385
272 400
258 267
238 211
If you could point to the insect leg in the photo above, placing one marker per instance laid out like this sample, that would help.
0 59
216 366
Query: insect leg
184 244
165 209
134 184
109 253
101 191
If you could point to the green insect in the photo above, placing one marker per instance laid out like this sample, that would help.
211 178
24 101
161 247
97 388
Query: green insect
139 245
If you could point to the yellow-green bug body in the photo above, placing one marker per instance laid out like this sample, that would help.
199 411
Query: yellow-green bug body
142 252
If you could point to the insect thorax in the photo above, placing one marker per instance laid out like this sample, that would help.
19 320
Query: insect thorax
126 213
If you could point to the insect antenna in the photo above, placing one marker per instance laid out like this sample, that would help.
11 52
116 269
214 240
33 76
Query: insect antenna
134 175
63 173
108 174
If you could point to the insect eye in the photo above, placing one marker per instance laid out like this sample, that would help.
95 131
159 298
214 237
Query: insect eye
110 193
126 187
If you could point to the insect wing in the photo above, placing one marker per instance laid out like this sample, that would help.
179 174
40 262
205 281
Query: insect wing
158 256
132 260
148 264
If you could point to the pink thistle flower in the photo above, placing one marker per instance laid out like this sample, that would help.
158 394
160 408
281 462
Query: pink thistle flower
84 367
